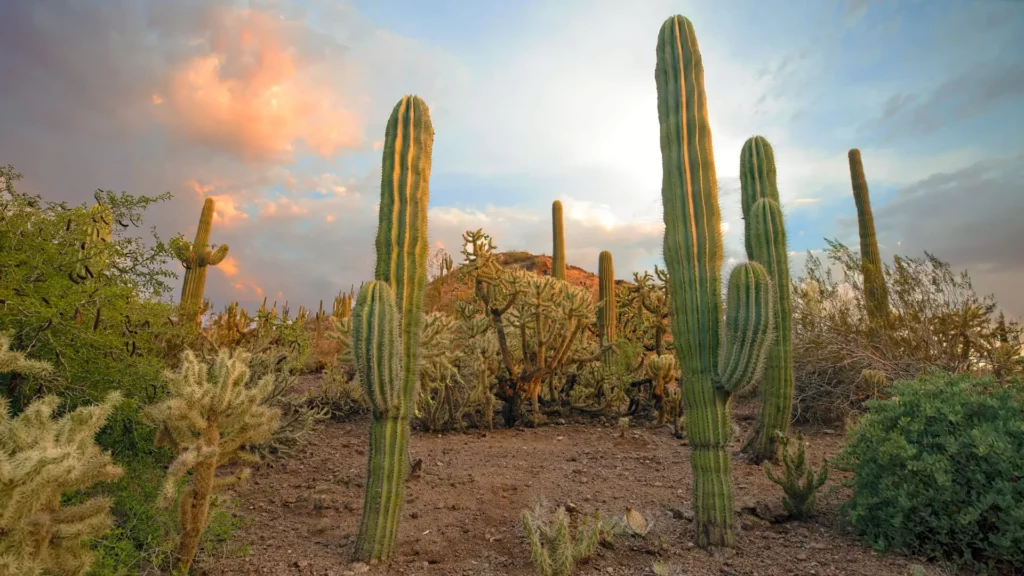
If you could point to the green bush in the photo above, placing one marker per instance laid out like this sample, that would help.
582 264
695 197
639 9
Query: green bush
938 470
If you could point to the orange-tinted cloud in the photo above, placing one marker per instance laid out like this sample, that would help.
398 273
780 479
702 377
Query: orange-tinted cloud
228 266
251 93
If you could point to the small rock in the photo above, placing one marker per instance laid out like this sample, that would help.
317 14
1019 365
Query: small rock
801 555
359 567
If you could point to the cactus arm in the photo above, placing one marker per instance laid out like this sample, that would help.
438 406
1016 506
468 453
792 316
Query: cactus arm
748 327
757 180
218 255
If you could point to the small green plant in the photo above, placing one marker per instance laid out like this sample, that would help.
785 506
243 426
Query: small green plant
553 548
937 471
801 483
211 415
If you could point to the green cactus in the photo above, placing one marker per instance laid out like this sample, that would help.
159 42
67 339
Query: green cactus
715 360
196 257
769 243
558 237
553 548
757 180
606 293
800 483
876 294
386 343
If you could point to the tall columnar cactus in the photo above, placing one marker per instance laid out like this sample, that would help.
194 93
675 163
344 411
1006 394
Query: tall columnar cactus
768 234
606 292
876 294
558 237
757 180
388 318
195 257
716 360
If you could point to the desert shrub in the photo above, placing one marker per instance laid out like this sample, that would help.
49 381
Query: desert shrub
936 322
937 470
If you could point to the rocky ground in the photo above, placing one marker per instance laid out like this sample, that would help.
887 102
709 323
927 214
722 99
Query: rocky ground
462 515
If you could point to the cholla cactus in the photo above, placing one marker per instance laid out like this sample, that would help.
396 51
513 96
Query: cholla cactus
40 459
211 414
554 550
800 484
662 372
538 321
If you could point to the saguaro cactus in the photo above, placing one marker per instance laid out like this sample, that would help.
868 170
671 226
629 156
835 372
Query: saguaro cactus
195 257
769 243
876 294
606 292
714 364
386 344
558 237
757 180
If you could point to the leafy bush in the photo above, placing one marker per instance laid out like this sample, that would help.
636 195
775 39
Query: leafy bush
938 470
936 322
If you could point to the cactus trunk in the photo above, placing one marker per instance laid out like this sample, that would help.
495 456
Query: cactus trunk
388 319
876 294
693 256
769 244
558 237
606 292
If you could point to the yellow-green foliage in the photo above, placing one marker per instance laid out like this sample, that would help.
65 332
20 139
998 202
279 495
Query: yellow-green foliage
800 483
212 413
553 548
42 458
662 372
538 323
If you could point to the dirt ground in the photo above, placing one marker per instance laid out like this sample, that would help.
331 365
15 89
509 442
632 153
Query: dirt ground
462 513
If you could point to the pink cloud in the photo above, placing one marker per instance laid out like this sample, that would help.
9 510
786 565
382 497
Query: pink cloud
251 93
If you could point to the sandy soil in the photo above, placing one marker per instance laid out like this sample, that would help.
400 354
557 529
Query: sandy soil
462 513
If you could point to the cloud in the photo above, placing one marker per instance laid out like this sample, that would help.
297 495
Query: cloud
249 91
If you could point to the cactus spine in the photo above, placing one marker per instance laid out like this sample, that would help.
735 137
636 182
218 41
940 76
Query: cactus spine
757 180
606 292
196 257
558 237
769 244
876 294
387 322
715 360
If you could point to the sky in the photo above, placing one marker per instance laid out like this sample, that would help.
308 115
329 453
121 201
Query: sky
277 108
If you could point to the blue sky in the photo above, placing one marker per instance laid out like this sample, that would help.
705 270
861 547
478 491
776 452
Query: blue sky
276 108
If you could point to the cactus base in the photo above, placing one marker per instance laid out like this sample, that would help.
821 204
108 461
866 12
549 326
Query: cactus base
712 496
386 471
